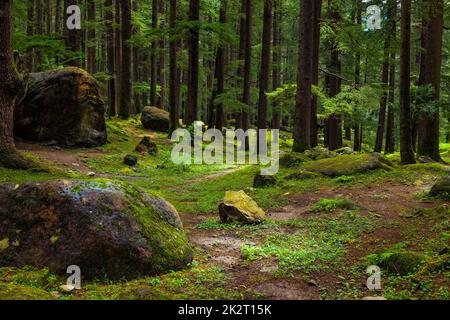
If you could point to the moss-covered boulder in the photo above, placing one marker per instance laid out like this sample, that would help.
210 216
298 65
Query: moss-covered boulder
319 153
344 150
292 159
147 146
402 263
18 292
347 165
155 119
109 229
262 181
303 175
63 105
238 207
441 188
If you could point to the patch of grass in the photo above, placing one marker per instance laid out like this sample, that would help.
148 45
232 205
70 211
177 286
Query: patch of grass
331 205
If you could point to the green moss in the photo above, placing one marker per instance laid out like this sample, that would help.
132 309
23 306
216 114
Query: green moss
330 205
19 292
348 164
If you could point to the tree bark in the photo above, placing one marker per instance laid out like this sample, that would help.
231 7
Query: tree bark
193 46
245 117
276 60
302 120
125 79
173 76
265 64
385 76
390 143
153 71
136 106
406 150
161 63
117 51
30 32
72 39
9 86
430 74
91 47
38 31
315 70
110 57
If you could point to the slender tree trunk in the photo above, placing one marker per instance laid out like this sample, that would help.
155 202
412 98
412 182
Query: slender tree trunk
245 117
390 143
125 79
334 87
91 46
302 125
161 63
276 61
38 31
58 16
265 64
315 70
430 74
406 151
357 126
153 71
136 106
218 118
49 16
193 45
110 57
385 76
117 51
30 32
72 39
241 56
173 77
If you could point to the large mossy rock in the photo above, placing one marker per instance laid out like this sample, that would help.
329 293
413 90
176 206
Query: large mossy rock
238 207
109 229
319 153
441 188
19 292
402 263
155 119
292 159
62 105
349 164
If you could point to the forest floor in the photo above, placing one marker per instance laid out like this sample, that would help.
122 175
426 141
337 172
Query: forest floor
319 238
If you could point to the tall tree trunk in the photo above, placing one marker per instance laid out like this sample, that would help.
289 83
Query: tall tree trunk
241 56
406 150
38 31
110 57
390 143
153 71
315 70
91 46
117 50
136 106
385 75
30 32
334 131
357 141
276 61
193 45
302 125
161 63
218 118
430 74
173 77
9 87
125 79
58 16
49 16
245 117
265 64
72 38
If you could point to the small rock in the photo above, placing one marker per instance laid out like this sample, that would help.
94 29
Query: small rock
312 283
66 288
374 298
261 181
237 206
130 160
91 174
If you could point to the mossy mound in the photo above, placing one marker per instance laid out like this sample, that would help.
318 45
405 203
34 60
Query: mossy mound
347 165
292 159
441 188
109 229
261 181
303 175
19 292
402 263
147 146
319 153
237 206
